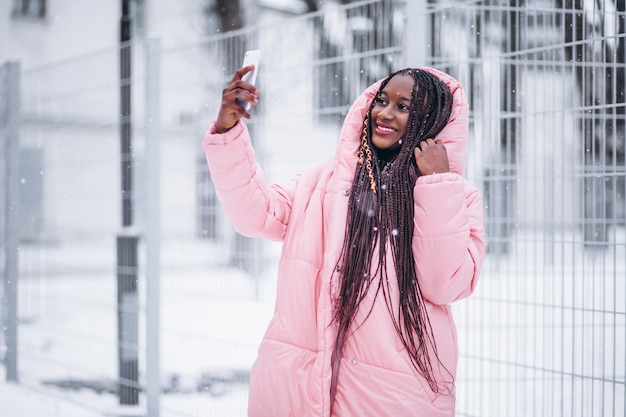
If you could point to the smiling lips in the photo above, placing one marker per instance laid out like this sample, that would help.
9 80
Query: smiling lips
382 129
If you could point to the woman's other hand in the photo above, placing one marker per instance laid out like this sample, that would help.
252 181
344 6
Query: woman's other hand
431 157
230 111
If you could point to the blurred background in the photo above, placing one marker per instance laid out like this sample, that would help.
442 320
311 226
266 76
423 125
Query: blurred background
125 291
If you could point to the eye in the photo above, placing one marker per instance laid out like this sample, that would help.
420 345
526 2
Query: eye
403 107
379 100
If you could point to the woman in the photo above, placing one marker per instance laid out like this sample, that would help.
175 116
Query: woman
376 243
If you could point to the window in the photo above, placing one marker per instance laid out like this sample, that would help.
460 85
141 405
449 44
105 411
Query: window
29 8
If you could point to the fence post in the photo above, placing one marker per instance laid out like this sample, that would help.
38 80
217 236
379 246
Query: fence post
128 239
11 72
128 317
152 231
417 42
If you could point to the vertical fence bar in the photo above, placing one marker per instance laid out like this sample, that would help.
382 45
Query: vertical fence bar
127 240
416 49
125 115
127 318
153 230
12 220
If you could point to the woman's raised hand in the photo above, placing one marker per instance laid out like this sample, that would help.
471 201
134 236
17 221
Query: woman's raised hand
230 111
431 157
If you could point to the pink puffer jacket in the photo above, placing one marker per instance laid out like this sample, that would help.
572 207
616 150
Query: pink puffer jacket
291 376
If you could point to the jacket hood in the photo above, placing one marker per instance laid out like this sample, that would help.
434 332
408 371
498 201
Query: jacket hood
454 135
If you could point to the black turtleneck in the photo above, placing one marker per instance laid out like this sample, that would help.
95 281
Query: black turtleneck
386 156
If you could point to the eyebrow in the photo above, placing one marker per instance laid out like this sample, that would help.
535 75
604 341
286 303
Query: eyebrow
402 98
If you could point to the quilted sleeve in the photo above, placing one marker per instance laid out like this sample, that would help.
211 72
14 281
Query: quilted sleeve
255 208
448 241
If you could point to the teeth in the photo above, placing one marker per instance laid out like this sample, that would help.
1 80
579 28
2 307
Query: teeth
386 129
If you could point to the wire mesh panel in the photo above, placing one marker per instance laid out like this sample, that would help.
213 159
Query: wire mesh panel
544 335
69 184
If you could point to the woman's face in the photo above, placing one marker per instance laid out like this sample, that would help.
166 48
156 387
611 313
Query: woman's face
390 114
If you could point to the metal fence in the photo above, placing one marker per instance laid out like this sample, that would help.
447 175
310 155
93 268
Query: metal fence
545 332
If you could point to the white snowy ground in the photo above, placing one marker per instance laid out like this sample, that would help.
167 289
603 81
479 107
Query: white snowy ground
18 401
211 321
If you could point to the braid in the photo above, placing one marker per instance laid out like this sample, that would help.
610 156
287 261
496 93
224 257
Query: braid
380 211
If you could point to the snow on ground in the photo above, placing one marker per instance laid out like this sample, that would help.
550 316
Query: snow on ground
211 324
19 401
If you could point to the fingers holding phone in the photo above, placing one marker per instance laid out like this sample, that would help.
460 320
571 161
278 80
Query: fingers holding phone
250 60
240 94
234 96
246 93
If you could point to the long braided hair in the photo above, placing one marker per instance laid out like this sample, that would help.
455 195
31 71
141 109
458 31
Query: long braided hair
380 216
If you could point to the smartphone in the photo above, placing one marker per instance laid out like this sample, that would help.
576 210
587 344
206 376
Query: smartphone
250 58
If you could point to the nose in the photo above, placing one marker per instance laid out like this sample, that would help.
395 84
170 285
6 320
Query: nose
387 113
